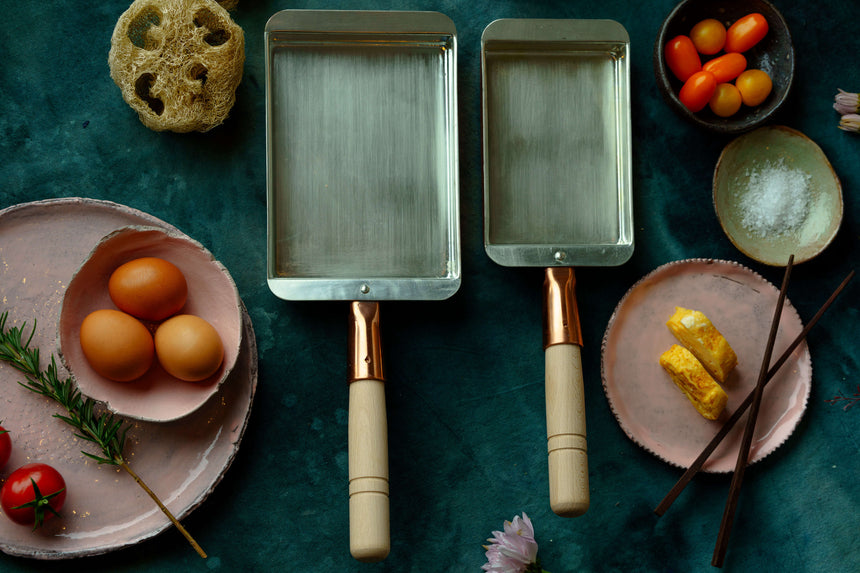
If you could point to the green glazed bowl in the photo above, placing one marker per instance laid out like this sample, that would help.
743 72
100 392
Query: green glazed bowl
776 194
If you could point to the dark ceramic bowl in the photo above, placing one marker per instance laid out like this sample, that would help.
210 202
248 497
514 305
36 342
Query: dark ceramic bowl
774 54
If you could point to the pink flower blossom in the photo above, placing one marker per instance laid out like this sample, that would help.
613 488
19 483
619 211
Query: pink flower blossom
850 122
513 550
847 103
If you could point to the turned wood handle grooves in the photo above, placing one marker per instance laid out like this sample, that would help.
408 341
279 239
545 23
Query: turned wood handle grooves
565 430
369 527
565 397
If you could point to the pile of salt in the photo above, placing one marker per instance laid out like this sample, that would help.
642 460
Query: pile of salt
776 201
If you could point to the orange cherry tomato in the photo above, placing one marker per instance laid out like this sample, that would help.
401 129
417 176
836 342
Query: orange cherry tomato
726 100
697 91
726 67
755 86
708 36
682 58
746 33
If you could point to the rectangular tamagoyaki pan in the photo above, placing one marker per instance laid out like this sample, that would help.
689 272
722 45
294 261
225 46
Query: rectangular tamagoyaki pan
557 193
363 196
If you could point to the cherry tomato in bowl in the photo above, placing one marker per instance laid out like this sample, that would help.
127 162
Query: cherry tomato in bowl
697 91
726 100
726 67
682 57
746 32
5 446
755 86
709 36
33 494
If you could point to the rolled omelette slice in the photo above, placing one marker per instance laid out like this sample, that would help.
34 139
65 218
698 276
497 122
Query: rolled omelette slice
694 381
696 332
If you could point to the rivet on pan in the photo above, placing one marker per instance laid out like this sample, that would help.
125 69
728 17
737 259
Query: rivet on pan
365 288
559 256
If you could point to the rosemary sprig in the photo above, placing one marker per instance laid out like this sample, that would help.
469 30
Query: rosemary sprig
104 429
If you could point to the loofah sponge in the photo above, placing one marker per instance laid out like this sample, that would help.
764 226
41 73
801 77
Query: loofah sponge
177 62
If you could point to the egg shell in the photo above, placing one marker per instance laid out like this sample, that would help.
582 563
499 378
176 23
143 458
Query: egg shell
117 345
188 347
150 288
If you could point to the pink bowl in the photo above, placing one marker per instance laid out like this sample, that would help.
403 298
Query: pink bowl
212 295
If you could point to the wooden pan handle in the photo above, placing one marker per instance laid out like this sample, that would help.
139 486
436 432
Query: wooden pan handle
565 397
369 528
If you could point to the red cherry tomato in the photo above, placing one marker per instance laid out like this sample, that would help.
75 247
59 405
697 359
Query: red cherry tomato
697 91
32 494
682 58
5 446
708 36
727 67
746 33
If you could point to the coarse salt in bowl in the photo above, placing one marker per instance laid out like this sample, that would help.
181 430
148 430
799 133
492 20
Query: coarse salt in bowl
776 194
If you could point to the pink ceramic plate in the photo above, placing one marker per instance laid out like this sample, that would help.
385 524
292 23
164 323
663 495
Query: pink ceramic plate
41 246
156 396
651 409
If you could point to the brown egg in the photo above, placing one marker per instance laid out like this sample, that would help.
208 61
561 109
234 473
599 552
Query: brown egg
117 345
188 347
149 288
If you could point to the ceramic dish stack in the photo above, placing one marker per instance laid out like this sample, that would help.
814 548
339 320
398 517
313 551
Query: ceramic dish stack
182 458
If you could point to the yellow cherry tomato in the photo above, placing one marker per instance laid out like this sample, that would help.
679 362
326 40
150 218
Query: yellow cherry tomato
726 100
708 36
755 86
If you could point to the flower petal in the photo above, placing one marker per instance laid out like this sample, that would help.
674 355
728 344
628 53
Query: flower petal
847 103
514 549
850 122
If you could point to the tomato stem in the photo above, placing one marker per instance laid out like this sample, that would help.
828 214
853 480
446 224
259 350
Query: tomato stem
40 504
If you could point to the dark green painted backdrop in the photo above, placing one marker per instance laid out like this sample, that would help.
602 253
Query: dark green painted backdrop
465 397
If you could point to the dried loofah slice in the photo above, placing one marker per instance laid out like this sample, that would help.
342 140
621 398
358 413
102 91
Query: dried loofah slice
177 62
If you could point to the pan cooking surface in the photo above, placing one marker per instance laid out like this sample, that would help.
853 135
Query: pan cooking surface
363 182
363 175
553 139
556 142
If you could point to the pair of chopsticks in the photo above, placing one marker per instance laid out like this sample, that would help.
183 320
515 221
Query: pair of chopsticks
753 399
744 452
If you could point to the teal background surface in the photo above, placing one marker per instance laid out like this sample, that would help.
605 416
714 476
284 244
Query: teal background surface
465 393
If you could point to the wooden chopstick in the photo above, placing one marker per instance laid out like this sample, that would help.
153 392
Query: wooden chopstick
697 464
749 429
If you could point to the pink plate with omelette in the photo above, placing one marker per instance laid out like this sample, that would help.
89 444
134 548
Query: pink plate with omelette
652 411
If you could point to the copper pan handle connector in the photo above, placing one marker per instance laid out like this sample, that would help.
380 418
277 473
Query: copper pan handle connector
561 314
